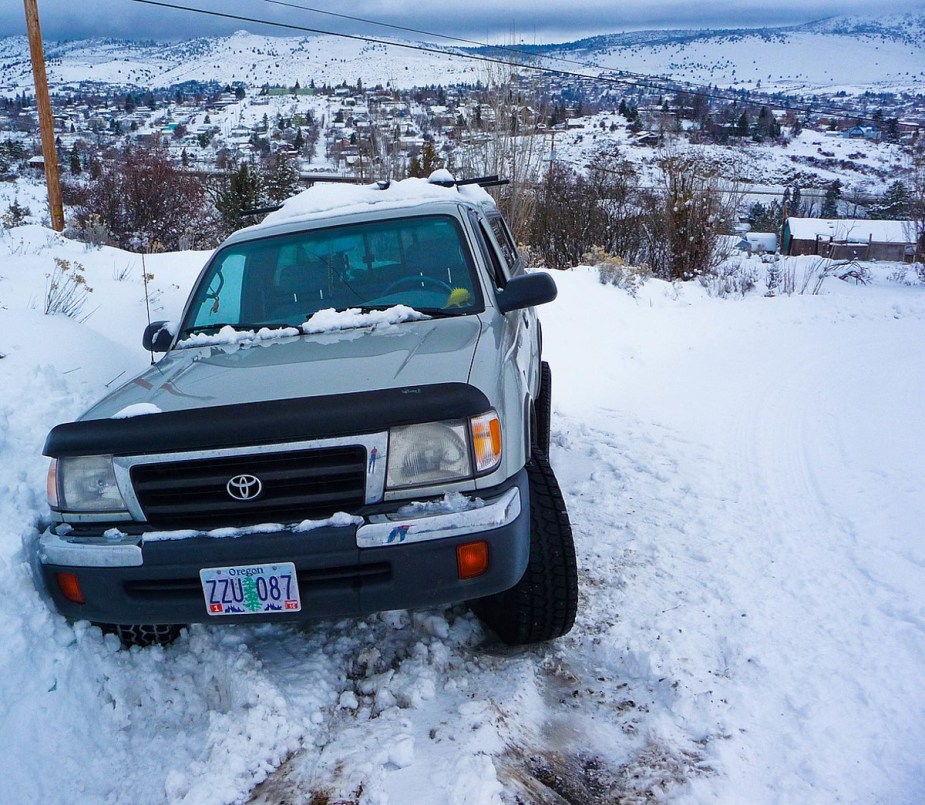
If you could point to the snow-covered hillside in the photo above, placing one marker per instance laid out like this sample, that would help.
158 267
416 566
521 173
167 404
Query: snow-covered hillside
251 58
839 54
851 54
743 478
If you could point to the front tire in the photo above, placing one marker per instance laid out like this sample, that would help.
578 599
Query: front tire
543 408
543 604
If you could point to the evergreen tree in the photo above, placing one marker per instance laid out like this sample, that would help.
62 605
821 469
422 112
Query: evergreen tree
894 204
243 191
830 202
765 218
742 127
75 161
299 140
282 180
425 163
796 203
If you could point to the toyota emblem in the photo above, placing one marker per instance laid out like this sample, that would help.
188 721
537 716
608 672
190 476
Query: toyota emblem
244 487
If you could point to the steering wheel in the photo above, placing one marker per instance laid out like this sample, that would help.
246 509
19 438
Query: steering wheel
421 279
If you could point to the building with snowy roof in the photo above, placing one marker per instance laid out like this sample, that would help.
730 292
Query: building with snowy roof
848 238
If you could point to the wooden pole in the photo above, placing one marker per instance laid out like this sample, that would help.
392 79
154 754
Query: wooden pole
46 123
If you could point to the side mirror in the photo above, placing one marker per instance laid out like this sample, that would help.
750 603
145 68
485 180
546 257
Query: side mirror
157 336
526 290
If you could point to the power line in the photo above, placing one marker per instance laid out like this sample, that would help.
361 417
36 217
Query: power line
434 35
635 80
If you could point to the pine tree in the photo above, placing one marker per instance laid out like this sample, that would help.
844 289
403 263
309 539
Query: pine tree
894 204
243 191
796 202
742 126
282 181
830 202
426 162
75 162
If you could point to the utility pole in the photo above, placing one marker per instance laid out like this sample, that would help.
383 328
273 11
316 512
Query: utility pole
46 124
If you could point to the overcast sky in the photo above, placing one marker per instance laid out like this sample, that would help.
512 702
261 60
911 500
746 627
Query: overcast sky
492 20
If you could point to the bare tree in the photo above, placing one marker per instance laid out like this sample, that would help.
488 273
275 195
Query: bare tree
509 144
685 215
578 212
146 202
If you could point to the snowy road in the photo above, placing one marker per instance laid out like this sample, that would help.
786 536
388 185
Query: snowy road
742 477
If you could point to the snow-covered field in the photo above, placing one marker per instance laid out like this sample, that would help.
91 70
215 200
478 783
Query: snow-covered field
744 480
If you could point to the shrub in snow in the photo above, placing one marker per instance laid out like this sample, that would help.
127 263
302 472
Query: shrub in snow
613 270
732 277
16 215
66 290
907 274
91 230
823 268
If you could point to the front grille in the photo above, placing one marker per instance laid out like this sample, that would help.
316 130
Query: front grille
297 485
317 579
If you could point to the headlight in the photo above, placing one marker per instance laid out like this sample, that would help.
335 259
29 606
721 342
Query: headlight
438 452
86 483
433 452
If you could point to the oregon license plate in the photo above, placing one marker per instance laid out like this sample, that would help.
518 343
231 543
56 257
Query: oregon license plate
251 589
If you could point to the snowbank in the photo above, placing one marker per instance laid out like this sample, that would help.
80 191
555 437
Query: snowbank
742 476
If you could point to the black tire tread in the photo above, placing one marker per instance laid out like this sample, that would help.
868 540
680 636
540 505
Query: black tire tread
146 634
543 407
543 604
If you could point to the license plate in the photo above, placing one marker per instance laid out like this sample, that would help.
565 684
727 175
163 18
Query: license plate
251 589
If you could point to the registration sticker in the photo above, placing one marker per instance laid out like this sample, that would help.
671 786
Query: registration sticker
251 589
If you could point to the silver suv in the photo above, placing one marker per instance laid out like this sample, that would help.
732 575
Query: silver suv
351 416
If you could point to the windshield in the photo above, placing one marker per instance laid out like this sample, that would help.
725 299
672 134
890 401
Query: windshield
422 262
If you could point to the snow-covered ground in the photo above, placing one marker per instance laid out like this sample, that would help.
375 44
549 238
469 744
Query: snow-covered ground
743 478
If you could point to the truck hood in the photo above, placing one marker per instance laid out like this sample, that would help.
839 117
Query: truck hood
412 353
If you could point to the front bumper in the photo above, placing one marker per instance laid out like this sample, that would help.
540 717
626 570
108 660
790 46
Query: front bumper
387 562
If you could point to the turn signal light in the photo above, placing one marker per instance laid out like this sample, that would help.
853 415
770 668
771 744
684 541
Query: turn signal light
472 559
69 585
486 439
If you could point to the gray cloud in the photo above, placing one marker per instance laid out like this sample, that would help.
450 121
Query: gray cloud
519 20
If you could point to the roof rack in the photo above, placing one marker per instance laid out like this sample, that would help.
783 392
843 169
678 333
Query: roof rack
383 184
262 210
481 181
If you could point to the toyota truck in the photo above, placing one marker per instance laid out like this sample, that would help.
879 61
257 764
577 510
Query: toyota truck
351 415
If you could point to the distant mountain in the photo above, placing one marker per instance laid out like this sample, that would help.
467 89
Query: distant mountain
851 54
840 54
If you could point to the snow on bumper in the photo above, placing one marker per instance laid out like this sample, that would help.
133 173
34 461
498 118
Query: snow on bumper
410 524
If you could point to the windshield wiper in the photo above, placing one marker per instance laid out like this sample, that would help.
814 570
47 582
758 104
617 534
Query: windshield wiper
206 329
441 313
209 329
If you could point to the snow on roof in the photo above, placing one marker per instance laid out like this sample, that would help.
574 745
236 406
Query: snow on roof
848 229
343 199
